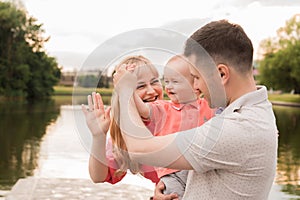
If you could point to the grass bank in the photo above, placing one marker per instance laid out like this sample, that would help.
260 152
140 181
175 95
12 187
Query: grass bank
291 98
66 91
62 90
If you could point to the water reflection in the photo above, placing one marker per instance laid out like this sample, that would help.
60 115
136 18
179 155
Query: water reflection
22 125
288 167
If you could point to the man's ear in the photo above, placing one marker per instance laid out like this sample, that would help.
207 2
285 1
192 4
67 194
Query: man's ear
224 72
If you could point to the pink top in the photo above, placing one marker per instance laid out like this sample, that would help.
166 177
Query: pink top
148 171
167 117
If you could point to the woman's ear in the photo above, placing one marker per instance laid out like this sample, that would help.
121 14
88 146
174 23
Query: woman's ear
224 73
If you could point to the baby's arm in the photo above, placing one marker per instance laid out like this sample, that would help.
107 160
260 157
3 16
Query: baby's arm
143 108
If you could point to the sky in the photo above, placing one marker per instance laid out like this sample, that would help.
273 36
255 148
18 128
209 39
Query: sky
76 28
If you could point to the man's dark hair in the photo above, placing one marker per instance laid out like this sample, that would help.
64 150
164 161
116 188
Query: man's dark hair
225 42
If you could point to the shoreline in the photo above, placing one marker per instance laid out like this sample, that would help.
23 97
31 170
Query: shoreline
282 103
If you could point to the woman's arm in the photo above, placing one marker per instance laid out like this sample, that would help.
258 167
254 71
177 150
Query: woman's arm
97 162
98 120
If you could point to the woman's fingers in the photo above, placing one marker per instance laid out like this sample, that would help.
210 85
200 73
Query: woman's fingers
95 100
107 112
99 102
90 102
85 111
95 103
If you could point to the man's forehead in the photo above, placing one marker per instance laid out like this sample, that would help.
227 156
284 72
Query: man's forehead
192 59
203 65
194 70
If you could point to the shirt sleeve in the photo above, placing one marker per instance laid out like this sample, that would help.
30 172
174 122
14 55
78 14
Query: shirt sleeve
112 165
111 174
148 171
158 115
212 146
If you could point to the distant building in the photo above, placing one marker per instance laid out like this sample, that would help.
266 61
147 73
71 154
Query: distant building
67 78
85 79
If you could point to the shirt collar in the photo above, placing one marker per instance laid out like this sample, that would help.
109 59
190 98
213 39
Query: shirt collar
179 106
248 99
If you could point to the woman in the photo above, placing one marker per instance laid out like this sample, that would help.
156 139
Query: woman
111 163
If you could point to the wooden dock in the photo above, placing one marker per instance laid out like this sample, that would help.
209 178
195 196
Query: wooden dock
74 189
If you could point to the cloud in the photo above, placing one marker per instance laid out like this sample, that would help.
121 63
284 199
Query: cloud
79 28
155 43
186 26
277 3
267 3
101 52
69 60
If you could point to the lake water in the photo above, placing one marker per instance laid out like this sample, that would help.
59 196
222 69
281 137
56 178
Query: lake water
46 139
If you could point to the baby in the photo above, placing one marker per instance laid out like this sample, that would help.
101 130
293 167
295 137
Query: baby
184 111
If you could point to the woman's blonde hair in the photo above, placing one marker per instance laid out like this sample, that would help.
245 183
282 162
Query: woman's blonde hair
119 146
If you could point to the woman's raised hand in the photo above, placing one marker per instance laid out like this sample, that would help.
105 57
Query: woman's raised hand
97 118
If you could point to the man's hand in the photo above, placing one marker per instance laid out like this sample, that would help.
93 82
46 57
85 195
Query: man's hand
158 193
124 80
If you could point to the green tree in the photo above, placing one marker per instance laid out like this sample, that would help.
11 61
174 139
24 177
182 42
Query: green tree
25 68
280 67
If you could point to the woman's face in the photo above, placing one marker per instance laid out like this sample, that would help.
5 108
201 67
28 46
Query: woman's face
149 87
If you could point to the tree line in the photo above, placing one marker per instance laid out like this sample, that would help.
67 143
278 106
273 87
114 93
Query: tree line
27 71
25 68
279 68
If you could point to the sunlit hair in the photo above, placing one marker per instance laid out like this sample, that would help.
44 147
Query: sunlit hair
119 147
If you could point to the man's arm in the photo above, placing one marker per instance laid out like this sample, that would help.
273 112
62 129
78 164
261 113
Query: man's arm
141 144
142 107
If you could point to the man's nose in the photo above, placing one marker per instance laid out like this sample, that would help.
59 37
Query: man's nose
195 85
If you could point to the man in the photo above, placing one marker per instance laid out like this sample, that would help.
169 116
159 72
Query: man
233 155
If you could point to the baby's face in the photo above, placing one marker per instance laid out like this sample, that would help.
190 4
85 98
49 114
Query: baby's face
178 85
